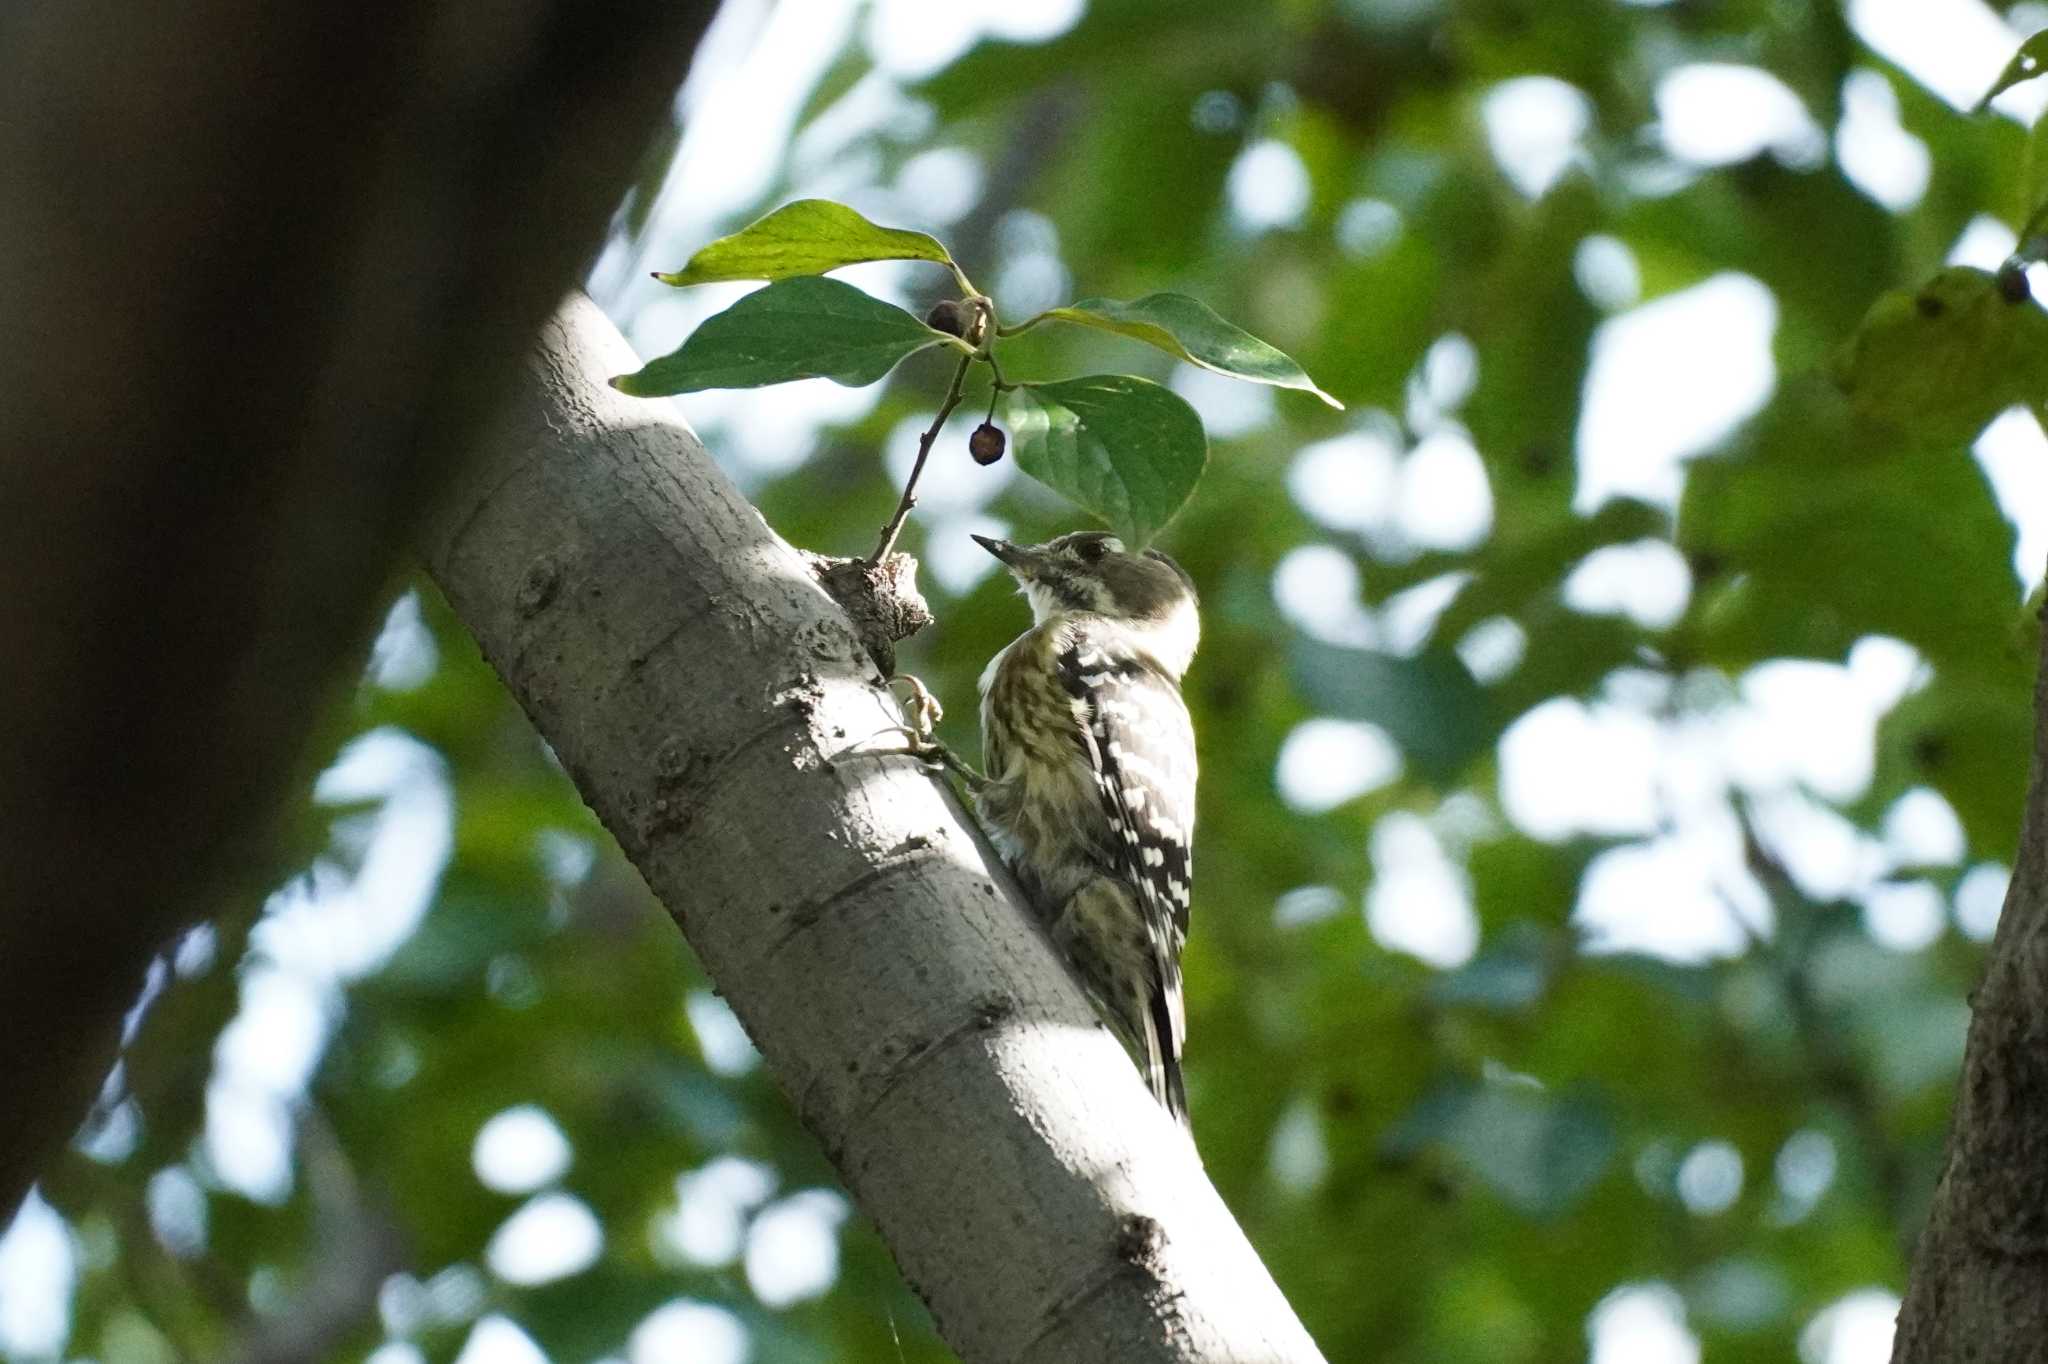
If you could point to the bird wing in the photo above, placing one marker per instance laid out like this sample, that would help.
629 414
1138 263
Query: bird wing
1140 745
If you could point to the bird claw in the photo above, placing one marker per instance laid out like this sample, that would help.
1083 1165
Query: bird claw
925 710
924 715
936 756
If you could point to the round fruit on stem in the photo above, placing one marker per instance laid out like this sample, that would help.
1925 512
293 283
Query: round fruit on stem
986 444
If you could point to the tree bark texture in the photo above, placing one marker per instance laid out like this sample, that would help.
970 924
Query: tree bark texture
1978 1289
264 267
714 707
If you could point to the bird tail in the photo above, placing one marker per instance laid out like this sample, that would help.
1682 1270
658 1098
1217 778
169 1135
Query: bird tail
1162 1053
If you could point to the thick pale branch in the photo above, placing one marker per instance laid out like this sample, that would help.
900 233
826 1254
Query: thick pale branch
714 707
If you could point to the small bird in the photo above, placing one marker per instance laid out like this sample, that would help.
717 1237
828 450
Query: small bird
1089 789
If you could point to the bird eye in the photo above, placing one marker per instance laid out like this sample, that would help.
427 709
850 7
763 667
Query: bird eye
1091 551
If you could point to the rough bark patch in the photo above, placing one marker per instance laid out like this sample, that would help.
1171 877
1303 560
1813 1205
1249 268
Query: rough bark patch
881 600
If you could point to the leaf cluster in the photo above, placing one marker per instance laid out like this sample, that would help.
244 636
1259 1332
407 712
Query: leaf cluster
1123 448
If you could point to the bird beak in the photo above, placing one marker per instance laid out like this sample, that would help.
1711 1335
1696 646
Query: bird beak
1015 556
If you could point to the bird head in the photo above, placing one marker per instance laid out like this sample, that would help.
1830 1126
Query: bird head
1090 572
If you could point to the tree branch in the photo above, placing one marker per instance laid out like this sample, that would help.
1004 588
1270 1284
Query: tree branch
713 707
1975 1288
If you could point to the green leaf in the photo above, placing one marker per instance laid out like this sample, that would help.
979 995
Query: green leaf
583 1316
1190 330
1123 448
1508 977
804 328
1963 737
1540 1153
2030 61
1430 704
807 237
1940 361
1817 529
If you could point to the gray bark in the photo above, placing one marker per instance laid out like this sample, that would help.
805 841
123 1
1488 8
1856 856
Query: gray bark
263 266
1978 1289
715 709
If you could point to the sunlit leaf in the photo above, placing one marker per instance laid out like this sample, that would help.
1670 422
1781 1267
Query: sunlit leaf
1796 550
2030 61
1940 361
1123 448
1189 329
807 237
804 328
1762 225
1968 741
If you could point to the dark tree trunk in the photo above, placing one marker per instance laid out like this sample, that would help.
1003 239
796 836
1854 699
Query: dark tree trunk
1978 1290
263 266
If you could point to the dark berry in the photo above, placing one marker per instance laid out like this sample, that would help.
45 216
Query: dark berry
947 316
2012 282
986 444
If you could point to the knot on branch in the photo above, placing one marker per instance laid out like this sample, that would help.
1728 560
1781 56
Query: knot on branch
1141 1242
881 599
543 579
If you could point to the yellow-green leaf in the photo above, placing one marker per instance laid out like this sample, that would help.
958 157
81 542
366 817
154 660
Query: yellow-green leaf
807 237
1940 361
2030 61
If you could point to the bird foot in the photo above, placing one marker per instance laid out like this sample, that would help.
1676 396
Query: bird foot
937 756
920 743
925 710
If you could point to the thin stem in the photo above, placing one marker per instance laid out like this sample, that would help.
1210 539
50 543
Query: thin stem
996 385
1026 325
924 450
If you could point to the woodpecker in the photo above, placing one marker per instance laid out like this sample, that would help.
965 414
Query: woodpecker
1089 789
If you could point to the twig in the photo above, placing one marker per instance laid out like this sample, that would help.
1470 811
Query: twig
997 388
924 450
1026 325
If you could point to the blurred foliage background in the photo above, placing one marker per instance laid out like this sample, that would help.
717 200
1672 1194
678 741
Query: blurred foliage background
1613 726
